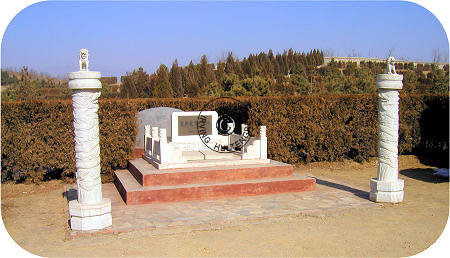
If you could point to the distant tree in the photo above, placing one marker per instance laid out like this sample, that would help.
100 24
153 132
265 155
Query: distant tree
365 80
299 79
214 90
246 68
238 69
176 80
238 90
410 81
282 86
290 57
266 63
229 64
220 71
8 79
5 78
350 69
283 68
349 85
162 87
25 88
299 69
136 85
128 89
276 67
206 73
438 81
228 81
257 86
334 83
110 91
191 83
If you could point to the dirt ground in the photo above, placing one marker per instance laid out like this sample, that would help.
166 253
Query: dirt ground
34 217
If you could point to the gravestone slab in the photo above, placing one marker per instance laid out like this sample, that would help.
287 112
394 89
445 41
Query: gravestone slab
159 117
184 125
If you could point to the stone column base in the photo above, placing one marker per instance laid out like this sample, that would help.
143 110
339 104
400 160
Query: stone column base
90 216
386 191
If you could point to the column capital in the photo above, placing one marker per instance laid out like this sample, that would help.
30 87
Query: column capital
84 80
389 81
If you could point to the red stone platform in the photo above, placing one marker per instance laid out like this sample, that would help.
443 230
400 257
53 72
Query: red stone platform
142 183
137 153
148 175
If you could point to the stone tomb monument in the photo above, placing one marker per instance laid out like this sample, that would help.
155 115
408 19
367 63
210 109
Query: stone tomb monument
197 162
387 187
90 210
186 148
159 117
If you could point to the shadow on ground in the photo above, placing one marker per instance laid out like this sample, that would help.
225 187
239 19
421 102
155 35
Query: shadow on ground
423 174
439 160
70 194
360 193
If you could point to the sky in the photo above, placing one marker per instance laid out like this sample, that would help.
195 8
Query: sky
122 36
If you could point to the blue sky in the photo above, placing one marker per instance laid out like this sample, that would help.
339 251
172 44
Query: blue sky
121 36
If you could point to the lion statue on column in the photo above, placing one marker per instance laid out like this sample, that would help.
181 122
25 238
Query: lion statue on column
390 68
84 59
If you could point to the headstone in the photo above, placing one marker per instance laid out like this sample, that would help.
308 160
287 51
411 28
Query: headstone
155 117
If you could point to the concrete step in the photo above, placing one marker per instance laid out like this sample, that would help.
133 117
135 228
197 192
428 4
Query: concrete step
209 154
193 155
134 193
147 175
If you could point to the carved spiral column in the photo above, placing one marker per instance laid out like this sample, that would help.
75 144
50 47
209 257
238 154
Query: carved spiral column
87 148
90 210
388 135
387 187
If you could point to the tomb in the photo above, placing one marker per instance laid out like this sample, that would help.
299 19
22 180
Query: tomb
186 148
198 161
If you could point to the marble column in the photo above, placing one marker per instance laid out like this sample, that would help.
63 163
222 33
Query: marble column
263 145
90 210
387 187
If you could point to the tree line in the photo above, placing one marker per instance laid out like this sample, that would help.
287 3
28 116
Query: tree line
267 74
263 74
258 74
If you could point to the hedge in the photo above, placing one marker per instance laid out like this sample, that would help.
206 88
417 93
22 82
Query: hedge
109 80
37 136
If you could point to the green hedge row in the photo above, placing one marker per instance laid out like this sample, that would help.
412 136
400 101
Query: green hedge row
37 136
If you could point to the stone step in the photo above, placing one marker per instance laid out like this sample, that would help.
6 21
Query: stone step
209 154
147 175
134 193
